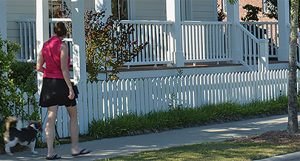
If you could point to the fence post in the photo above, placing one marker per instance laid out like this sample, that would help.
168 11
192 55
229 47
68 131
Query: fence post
263 55
173 14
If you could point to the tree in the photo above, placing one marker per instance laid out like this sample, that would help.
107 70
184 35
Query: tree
109 45
273 10
292 83
252 12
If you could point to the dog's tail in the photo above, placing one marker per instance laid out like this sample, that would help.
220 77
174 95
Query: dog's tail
12 121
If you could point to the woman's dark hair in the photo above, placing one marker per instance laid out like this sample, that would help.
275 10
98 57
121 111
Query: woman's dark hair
60 29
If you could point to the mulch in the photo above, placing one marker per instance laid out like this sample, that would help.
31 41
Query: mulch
274 137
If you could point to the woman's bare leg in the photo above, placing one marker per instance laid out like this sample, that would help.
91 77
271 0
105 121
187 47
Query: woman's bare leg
50 128
72 110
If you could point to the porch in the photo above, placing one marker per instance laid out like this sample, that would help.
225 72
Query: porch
202 44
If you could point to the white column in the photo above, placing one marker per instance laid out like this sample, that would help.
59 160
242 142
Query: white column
284 29
79 61
42 30
103 5
233 16
173 9
3 20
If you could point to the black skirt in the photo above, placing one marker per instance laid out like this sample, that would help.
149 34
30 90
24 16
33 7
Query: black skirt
55 92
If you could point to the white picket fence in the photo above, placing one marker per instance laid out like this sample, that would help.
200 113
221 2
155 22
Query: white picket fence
110 99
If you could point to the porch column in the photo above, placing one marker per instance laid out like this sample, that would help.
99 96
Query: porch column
103 5
79 61
173 9
233 16
42 31
3 20
284 29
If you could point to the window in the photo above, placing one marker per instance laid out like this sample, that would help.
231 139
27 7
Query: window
120 9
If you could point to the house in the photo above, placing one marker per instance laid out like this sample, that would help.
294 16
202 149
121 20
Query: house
191 60
262 15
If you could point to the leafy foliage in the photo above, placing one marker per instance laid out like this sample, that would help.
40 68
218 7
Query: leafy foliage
252 12
9 96
109 45
15 80
221 13
272 6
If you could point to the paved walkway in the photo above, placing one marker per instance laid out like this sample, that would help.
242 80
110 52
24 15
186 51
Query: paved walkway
124 145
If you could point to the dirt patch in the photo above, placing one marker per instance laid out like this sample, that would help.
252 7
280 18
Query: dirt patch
273 137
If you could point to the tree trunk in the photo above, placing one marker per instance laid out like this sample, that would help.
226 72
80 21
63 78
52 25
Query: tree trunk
292 83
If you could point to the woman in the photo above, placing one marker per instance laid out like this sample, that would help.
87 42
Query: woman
57 89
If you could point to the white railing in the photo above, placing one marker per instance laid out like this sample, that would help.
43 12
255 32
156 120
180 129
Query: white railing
27 41
265 30
28 38
157 35
253 50
206 41
141 96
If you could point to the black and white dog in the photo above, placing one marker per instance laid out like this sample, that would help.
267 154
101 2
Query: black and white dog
14 134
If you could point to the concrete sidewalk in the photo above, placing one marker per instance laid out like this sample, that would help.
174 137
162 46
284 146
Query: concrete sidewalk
124 145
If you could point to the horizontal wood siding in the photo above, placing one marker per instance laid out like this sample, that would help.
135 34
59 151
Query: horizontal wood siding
18 10
89 4
149 10
204 10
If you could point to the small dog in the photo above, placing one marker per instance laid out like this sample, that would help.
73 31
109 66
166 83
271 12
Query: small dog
14 134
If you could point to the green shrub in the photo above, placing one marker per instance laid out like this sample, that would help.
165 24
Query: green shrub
15 80
181 117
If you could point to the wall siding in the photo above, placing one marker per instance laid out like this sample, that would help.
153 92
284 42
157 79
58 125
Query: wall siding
148 10
18 11
204 10
201 10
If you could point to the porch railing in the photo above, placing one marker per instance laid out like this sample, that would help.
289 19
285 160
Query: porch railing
206 41
27 41
254 50
265 30
157 35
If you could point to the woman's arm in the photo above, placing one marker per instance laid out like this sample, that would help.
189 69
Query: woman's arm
40 63
64 57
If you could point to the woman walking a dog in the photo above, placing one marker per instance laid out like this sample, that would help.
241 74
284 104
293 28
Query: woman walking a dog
57 89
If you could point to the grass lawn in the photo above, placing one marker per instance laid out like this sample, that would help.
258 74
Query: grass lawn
242 149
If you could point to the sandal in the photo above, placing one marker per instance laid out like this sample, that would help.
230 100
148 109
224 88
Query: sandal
82 152
53 157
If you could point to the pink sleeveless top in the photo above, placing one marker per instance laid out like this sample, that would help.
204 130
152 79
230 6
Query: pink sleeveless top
51 54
